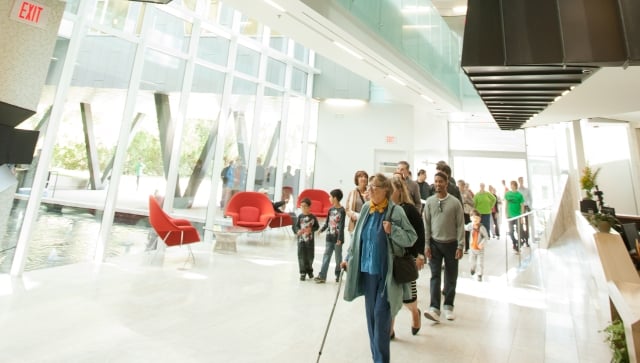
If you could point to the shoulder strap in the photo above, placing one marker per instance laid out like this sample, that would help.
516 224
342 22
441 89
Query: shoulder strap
389 213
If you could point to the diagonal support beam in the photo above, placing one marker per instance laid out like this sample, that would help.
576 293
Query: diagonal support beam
90 145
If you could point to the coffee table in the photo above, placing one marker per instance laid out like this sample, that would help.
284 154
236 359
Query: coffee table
226 237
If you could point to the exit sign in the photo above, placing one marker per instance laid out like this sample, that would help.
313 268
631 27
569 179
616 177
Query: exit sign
30 12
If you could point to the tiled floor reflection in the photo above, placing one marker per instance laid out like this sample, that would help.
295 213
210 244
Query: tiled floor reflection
250 307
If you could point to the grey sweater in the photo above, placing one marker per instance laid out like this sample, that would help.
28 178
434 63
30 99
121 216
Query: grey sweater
443 220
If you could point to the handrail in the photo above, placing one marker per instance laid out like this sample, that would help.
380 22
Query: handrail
508 235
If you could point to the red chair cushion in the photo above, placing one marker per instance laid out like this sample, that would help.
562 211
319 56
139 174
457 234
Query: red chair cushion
249 214
316 207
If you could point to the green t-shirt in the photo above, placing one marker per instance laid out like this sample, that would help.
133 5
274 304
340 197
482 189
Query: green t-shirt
514 200
484 201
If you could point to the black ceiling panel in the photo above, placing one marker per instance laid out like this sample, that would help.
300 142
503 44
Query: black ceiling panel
515 94
521 55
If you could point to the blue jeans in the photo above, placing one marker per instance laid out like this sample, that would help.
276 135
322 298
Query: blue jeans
485 220
328 250
378 313
446 252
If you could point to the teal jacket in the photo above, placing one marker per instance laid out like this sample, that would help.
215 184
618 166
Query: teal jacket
402 235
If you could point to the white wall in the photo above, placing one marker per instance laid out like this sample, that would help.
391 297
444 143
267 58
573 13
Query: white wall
431 140
349 137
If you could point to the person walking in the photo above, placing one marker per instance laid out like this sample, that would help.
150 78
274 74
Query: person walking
444 240
484 202
400 196
380 230
305 227
495 213
526 194
515 207
479 236
357 198
414 190
334 225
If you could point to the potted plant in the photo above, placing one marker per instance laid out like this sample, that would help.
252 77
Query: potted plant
588 180
617 342
603 222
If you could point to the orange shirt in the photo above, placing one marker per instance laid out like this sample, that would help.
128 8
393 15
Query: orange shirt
475 234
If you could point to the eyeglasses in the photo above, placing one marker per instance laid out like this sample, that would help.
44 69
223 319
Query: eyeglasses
440 206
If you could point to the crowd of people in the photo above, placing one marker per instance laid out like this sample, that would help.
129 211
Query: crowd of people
436 224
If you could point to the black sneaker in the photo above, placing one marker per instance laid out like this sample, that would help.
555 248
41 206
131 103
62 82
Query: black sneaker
473 272
337 278
310 275
302 277
319 280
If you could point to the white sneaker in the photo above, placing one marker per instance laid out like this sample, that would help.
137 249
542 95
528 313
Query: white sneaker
449 315
433 315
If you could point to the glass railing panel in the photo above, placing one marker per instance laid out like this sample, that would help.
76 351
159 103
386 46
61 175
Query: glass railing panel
417 31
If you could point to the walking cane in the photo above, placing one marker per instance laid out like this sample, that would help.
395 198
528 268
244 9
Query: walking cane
331 316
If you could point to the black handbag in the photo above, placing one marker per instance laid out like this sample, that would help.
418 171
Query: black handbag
404 267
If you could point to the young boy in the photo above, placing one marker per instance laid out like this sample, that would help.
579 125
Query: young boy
334 237
304 228
478 236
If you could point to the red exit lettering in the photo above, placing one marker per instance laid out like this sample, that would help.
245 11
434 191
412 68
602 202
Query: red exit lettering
30 12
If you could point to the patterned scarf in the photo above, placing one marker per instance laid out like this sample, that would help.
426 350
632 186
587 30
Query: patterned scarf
378 207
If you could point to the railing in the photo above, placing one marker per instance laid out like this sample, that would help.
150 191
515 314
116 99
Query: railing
51 173
537 232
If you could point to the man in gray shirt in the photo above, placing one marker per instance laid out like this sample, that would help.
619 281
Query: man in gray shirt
444 240
414 189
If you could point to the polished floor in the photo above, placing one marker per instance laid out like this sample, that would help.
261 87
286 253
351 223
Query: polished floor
541 306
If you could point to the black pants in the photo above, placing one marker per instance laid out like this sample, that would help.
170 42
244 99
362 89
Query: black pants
446 252
467 234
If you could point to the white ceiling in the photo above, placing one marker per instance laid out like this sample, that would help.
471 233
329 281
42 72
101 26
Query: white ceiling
609 93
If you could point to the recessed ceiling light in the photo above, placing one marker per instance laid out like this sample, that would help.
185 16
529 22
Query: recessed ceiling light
275 5
163 2
397 80
345 102
460 10
348 50
428 98
418 26
416 9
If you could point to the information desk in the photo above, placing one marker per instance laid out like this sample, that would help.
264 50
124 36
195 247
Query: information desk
226 237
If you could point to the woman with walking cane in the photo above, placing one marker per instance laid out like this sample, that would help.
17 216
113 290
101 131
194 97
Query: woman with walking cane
369 263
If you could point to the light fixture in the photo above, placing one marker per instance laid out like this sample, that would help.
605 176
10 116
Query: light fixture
428 98
396 79
348 50
275 5
162 2
412 9
460 10
418 26
345 102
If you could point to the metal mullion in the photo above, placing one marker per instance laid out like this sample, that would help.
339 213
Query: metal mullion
123 141
219 147
185 93
37 188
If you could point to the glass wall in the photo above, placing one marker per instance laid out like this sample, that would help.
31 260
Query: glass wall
167 78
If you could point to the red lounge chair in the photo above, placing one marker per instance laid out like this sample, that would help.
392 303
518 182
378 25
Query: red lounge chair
251 210
320 202
172 231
